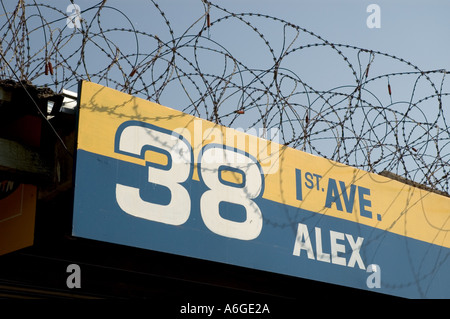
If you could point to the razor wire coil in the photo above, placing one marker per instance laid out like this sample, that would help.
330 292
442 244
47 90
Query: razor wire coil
379 113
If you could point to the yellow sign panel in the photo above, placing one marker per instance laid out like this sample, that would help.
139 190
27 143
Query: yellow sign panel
153 177
17 216
337 190
326 187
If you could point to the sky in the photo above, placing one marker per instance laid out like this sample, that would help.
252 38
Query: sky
417 30
414 31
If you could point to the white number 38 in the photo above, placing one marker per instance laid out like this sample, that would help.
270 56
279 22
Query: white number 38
134 138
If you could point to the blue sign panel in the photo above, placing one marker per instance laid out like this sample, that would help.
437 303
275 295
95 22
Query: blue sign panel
151 177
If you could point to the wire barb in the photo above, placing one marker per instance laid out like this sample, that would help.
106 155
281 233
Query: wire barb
345 118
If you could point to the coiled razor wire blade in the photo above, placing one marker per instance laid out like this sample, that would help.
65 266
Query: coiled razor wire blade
364 108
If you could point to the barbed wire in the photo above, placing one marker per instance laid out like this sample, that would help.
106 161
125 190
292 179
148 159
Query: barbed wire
365 108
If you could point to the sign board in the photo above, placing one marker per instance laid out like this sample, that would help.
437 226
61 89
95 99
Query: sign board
17 215
153 177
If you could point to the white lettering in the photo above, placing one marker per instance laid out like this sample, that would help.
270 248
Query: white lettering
338 244
219 192
374 20
74 279
246 308
266 151
355 257
337 248
197 309
321 256
374 280
133 141
302 241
